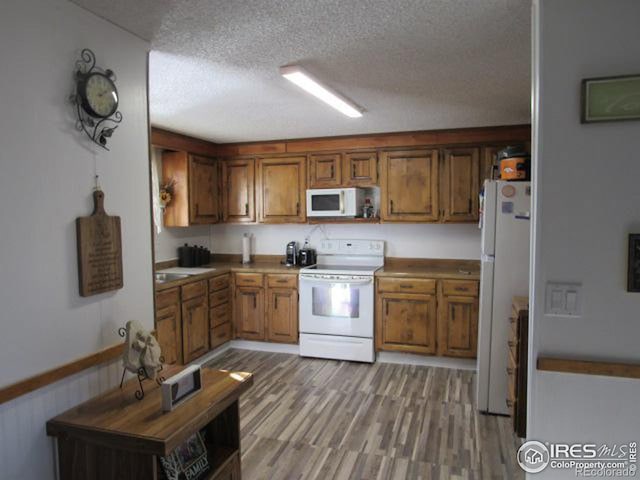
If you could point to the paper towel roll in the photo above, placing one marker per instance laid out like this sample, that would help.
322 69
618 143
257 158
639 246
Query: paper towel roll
246 248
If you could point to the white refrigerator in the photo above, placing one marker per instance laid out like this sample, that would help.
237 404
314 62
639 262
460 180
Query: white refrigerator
505 224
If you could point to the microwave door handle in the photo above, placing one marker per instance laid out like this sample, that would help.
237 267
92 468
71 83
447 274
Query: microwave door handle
341 201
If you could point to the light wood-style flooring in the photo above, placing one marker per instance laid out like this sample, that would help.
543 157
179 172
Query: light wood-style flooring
325 419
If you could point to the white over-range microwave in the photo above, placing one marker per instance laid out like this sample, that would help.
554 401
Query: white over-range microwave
335 202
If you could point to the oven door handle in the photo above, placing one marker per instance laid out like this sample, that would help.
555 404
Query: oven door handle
330 280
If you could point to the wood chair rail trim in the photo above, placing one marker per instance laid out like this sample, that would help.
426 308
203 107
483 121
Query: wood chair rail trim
56 374
589 367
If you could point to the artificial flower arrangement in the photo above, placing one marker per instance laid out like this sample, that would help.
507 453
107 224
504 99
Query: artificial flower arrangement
166 192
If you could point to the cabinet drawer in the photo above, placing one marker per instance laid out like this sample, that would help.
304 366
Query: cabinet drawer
249 279
408 285
220 334
282 281
218 298
193 290
219 283
460 287
167 298
219 315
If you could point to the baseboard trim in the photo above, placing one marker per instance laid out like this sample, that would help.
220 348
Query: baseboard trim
382 357
265 346
207 357
411 359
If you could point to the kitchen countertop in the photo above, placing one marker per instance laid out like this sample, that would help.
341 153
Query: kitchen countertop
228 267
394 267
428 268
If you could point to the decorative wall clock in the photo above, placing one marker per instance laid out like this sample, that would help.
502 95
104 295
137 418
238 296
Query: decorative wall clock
96 99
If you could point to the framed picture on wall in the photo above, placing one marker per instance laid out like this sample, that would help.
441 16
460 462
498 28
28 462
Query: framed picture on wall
609 99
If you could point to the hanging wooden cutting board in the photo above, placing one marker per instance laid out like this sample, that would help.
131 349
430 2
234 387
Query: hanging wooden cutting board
99 250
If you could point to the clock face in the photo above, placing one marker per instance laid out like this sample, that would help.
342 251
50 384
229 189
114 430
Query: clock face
99 95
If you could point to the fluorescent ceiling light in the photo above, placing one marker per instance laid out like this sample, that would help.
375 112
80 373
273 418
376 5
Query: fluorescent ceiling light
301 78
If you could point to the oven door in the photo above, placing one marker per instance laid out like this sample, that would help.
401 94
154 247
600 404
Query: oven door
336 305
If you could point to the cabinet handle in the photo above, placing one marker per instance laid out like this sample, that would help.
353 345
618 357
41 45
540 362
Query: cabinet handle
511 343
276 302
255 301
282 280
332 172
298 208
509 403
386 308
246 209
391 206
470 206
353 171
197 209
509 371
460 289
406 285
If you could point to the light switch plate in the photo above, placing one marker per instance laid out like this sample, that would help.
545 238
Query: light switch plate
563 299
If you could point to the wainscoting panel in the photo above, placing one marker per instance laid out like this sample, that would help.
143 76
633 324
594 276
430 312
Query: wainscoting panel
25 450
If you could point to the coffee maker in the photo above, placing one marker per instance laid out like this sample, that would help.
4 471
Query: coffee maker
291 255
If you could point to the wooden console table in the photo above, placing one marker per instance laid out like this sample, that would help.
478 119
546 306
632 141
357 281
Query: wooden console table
114 436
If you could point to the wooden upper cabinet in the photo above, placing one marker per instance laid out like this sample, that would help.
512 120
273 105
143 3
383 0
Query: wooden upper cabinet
325 170
281 190
459 186
249 313
238 191
458 326
409 186
203 190
282 315
406 322
196 191
360 169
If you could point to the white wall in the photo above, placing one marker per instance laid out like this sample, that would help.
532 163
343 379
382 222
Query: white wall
419 241
46 181
587 200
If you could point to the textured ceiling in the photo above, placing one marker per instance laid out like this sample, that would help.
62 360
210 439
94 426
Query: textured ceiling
412 64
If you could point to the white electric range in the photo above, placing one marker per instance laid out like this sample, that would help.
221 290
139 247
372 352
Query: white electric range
337 300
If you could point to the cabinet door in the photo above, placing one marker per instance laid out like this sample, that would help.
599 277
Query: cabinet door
360 169
238 191
203 190
282 315
195 328
458 326
406 322
459 185
249 313
409 186
169 333
281 190
325 170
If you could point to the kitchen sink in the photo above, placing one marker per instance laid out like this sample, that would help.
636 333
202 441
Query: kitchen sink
169 277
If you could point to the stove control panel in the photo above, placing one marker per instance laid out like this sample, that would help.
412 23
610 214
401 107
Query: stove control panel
351 247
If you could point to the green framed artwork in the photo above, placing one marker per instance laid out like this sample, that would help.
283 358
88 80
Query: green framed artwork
609 99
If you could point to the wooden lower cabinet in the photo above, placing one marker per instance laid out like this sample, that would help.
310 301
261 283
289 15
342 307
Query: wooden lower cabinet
169 325
195 328
411 317
406 322
249 313
458 326
220 324
266 313
282 315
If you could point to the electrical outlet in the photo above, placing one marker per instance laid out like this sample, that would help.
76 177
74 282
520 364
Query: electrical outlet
563 299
